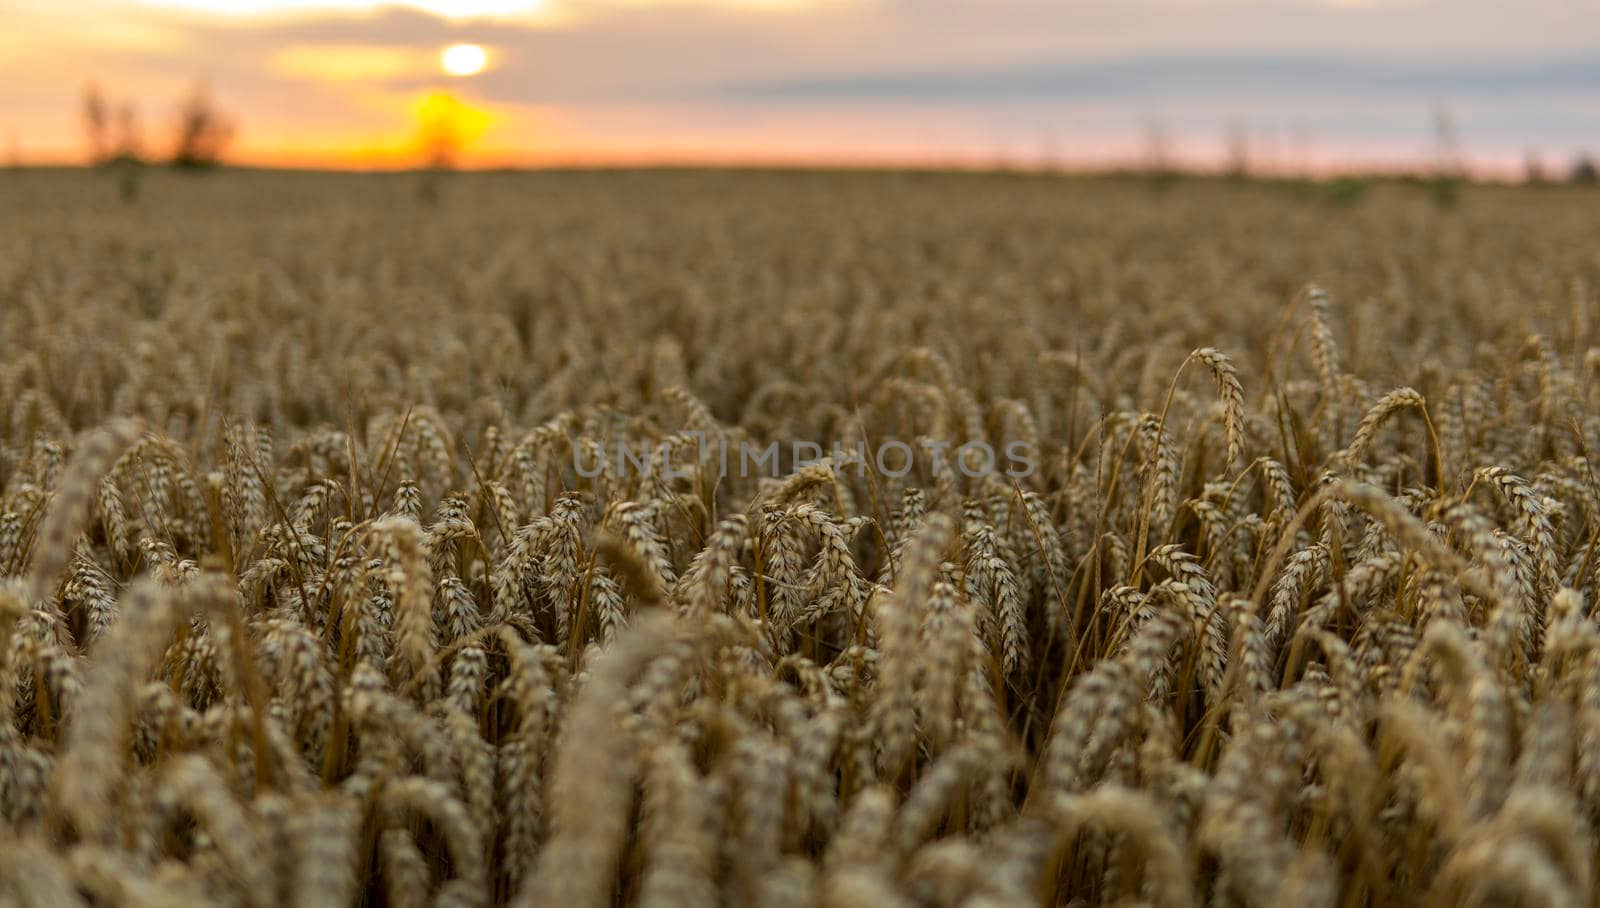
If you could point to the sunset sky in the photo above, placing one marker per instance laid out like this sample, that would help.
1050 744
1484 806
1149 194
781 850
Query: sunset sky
1311 83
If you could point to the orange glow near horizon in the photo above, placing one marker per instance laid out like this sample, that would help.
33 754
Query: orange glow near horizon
447 126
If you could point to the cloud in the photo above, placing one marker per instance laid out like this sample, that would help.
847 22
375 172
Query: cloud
351 62
1187 77
528 12
256 9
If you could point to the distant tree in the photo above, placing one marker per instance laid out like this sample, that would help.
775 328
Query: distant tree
1300 149
114 141
1049 150
441 132
202 131
129 138
96 123
1449 163
1533 169
1584 172
1157 148
441 145
1449 166
113 137
1236 145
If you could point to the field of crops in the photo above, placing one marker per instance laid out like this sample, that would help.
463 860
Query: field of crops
362 548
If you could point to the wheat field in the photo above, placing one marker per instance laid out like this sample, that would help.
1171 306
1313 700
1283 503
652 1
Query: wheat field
308 597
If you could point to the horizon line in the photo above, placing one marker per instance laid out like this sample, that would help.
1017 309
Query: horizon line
1130 169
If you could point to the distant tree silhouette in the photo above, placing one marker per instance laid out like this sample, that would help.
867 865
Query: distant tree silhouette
96 123
439 131
129 138
114 141
1584 172
1157 148
1236 143
202 131
1533 169
1449 163
442 132
113 136
1450 168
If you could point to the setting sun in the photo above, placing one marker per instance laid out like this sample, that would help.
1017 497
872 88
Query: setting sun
464 59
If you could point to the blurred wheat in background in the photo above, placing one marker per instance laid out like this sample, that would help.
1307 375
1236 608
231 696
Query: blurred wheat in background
303 601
